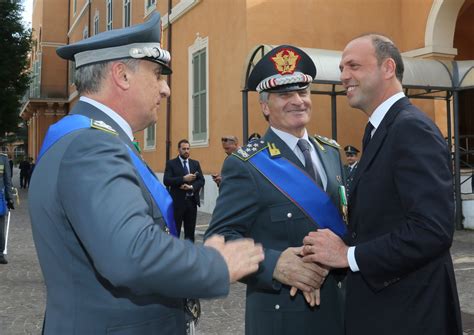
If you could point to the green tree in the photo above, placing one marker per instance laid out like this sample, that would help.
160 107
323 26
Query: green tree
15 41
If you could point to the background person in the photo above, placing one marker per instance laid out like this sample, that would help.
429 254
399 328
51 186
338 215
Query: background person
230 144
401 210
109 262
6 201
184 178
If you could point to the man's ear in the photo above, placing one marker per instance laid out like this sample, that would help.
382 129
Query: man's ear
120 75
265 109
389 68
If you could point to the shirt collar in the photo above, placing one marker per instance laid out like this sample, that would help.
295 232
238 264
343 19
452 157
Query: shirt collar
377 116
113 115
182 160
290 140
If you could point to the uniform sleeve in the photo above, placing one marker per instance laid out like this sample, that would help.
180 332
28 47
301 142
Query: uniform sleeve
105 206
237 209
423 181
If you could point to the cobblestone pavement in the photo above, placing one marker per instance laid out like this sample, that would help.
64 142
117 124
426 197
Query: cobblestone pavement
23 296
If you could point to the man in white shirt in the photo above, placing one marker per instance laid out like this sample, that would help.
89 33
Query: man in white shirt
401 211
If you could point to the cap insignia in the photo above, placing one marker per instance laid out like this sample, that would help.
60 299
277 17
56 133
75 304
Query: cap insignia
285 61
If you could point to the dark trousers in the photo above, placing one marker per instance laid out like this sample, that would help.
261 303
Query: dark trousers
186 214
23 180
2 234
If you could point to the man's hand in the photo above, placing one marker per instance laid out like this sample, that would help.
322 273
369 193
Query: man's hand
189 177
313 298
325 247
241 256
291 270
186 187
217 179
10 204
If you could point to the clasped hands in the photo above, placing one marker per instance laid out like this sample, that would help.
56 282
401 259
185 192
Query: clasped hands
305 268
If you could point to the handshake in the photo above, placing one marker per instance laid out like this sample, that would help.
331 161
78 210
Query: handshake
242 256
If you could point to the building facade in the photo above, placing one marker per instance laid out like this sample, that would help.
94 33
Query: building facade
210 42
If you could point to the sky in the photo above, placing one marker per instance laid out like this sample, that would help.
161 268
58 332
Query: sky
28 11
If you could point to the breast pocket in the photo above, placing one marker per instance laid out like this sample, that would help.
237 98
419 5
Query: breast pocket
291 221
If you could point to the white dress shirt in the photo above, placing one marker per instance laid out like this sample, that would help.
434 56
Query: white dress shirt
292 142
375 119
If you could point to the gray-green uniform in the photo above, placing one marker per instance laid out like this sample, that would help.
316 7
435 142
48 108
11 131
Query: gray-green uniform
249 205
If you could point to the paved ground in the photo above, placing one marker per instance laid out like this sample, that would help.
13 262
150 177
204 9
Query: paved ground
22 290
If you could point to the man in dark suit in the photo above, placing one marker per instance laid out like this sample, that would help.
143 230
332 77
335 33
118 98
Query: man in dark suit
184 178
401 212
269 190
102 223
6 201
352 158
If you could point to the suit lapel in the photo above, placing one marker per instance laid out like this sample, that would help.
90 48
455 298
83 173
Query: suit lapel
377 140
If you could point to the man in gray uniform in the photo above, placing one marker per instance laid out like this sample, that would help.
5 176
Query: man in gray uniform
6 201
100 218
276 190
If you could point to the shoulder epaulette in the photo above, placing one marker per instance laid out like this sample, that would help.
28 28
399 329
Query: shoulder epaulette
244 153
328 141
101 125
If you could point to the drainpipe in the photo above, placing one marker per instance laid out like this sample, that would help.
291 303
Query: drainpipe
168 101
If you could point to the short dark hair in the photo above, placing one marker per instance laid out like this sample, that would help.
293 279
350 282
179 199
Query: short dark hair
182 141
385 48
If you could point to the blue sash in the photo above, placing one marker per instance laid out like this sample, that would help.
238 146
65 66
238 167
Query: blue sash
301 190
162 198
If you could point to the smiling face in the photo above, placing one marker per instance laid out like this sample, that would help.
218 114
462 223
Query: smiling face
288 111
362 76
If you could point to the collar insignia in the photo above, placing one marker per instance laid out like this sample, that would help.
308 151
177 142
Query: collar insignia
274 151
101 125
285 61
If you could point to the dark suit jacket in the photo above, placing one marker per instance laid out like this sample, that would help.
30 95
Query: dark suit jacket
108 266
401 220
250 206
173 178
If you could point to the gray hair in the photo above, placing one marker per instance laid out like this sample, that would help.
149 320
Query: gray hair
88 78
264 96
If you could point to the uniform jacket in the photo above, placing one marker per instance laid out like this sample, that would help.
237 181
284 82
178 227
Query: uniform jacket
5 178
173 178
108 266
401 220
250 206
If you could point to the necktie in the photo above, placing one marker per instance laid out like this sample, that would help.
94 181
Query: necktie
185 166
308 162
367 135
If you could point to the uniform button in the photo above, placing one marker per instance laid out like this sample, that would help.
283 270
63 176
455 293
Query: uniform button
339 284
277 307
354 235
289 215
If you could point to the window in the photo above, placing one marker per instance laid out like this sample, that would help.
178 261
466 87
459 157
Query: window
127 11
96 23
109 15
72 72
150 137
199 111
85 33
150 6
36 77
74 6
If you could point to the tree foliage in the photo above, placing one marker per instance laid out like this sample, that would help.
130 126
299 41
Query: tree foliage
15 41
